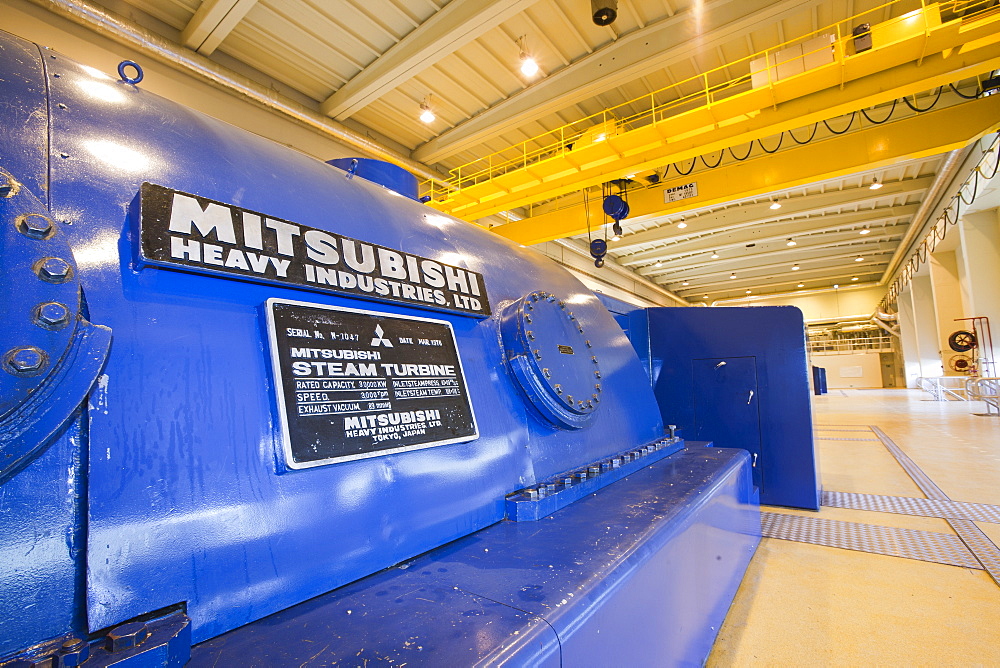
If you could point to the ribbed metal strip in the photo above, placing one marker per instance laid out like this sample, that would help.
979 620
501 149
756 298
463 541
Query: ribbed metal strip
908 505
982 547
940 548
865 431
975 540
926 485
837 438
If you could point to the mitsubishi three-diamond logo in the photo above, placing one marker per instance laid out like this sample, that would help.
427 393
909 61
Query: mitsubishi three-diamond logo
380 340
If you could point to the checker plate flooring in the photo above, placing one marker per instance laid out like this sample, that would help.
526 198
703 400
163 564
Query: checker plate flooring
971 548
907 505
940 548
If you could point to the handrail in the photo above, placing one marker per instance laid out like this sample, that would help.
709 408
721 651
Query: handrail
945 388
645 110
986 390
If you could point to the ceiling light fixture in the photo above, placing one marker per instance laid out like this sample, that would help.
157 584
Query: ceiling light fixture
715 255
732 276
705 297
529 67
801 285
859 259
685 283
791 242
616 238
775 205
875 185
854 278
795 267
681 225
426 115
748 291
835 286
865 231
659 263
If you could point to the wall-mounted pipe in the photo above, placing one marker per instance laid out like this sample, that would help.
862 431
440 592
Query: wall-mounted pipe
115 27
942 179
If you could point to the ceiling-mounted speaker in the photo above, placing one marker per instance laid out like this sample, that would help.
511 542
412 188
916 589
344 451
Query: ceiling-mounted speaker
604 12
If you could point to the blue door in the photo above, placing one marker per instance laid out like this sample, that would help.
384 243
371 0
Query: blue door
726 406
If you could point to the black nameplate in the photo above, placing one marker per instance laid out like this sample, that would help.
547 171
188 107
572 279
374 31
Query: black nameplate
177 229
353 384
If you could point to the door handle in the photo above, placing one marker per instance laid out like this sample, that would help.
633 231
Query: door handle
722 363
754 463
750 398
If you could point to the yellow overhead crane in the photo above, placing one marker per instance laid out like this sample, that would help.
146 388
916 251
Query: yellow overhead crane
789 87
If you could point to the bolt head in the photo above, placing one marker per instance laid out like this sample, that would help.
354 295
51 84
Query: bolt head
73 652
51 315
53 270
26 361
126 636
35 226
530 334
546 372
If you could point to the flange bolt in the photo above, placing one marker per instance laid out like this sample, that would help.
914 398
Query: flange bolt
35 226
126 636
27 361
73 653
51 315
53 270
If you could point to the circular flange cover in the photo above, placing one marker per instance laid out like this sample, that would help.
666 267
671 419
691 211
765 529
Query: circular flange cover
549 356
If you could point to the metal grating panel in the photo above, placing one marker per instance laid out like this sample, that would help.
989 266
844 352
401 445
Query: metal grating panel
906 505
930 546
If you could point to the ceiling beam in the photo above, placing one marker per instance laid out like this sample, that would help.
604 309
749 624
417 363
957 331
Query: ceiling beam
917 136
780 231
451 27
213 21
754 214
627 58
694 267
840 271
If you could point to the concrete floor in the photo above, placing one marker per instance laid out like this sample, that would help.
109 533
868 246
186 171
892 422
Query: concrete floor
804 605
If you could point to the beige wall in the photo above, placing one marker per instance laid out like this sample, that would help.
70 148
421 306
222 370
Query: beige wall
841 370
830 304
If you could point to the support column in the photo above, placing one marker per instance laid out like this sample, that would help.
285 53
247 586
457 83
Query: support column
979 270
925 326
948 303
908 338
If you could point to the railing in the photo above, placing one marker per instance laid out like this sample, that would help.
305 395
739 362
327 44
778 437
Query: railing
699 91
945 388
986 390
882 344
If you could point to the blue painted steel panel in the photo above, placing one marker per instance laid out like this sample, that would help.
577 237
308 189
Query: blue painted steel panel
186 503
775 336
726 401
640 573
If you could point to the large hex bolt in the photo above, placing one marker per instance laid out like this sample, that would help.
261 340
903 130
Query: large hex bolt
73 653
53 270
51 315
35 226
26 361
126 636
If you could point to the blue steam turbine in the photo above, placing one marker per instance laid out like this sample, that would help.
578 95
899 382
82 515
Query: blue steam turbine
254 407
